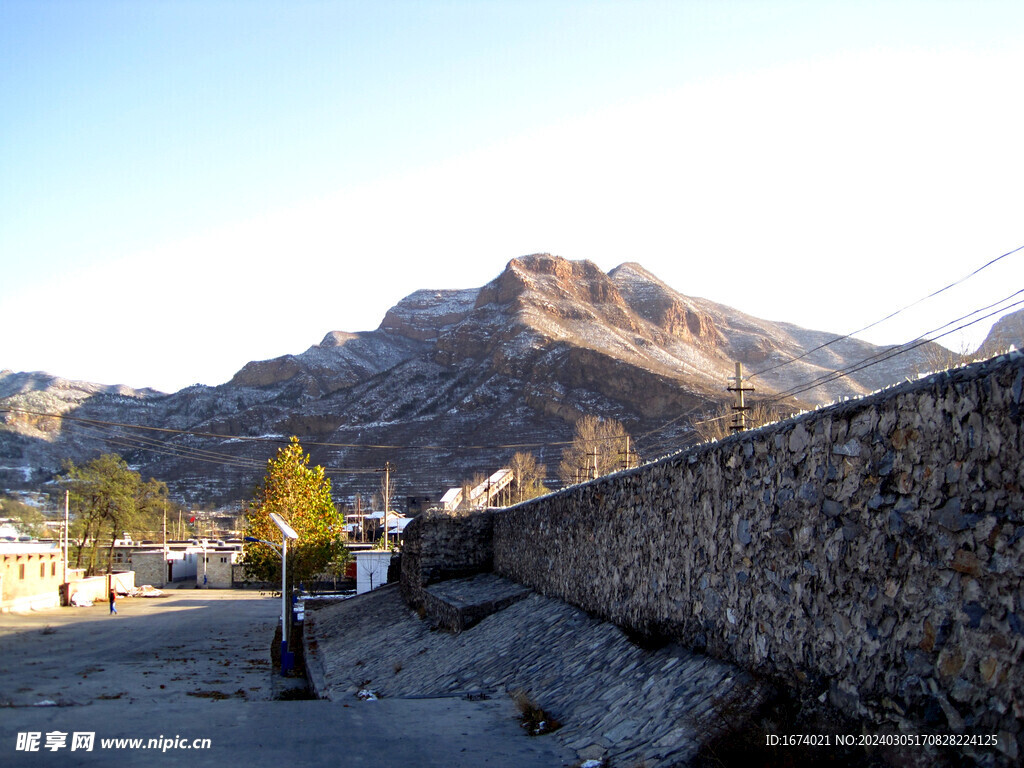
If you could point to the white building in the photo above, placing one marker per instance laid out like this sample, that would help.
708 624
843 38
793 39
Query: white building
371 569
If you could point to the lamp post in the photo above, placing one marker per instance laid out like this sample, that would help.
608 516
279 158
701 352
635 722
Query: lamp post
287 532
205 558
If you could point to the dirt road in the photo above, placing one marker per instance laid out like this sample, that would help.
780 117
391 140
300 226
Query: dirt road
192 643
186 679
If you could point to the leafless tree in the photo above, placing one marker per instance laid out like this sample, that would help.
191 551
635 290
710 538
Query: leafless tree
718 423
598 447
529 476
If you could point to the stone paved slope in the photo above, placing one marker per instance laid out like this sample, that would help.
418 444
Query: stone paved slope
613 698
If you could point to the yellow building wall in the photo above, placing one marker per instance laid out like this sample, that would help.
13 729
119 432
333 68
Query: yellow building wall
30 580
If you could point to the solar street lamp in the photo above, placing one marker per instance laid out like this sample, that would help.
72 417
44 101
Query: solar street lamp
287 532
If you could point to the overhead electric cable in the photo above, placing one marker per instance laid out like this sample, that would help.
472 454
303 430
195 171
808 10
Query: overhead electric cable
200 454
890 353
887 353
887 317
197 454
143 442
282 440
150 446
884 355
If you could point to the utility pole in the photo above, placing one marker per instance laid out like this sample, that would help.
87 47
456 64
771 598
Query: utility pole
627 459
163 576
592 464
359 515
387 497
67 504
739 422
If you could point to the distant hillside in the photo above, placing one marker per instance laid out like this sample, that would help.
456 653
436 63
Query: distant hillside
453 380
1007 332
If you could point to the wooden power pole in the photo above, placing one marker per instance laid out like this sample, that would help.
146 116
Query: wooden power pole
739 421
627 458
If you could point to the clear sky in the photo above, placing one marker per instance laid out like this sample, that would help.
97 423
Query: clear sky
186 185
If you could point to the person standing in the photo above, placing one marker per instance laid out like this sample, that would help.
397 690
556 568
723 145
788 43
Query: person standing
113 602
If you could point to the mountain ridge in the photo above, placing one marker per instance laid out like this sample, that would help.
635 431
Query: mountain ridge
450 379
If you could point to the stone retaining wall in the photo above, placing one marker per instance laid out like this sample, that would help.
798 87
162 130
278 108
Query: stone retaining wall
873 549
437 546
458 604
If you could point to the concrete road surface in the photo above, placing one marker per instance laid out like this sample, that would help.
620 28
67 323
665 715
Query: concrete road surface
151 685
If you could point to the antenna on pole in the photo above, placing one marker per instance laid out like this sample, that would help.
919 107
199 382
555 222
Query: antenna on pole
739 421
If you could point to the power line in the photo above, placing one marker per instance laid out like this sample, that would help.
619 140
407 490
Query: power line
882 356
890 353
284 441
152 446
805 354
103 430
889 316
275 440
107 432
199 454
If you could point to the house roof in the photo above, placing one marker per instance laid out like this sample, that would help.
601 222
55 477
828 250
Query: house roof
392 515
28 547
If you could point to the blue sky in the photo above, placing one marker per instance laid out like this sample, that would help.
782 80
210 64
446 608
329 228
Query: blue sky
186 186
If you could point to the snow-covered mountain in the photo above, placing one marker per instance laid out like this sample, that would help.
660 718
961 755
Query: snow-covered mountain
450 384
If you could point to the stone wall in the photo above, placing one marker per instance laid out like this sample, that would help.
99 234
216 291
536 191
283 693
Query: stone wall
150 568
216 572
873 550
440 545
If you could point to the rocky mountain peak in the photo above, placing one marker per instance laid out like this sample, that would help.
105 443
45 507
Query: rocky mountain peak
337 339
515 361
537 300
424 314
656 302
555 279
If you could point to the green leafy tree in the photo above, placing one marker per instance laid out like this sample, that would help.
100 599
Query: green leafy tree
109 499
338 566
152 500
599 444
302 497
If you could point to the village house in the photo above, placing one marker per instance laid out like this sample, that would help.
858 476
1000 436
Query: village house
216 567
31 574
210 564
